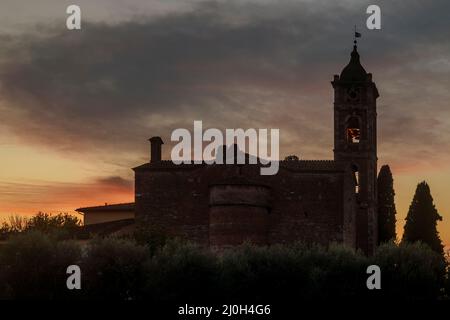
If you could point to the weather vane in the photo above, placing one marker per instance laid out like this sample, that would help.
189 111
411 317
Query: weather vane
356 35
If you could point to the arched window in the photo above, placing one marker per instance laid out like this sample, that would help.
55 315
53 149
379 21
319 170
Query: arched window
356 175
353 130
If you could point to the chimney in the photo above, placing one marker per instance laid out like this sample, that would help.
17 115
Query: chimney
155 149
227 150
224 154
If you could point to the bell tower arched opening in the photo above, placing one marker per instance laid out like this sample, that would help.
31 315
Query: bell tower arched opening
353 130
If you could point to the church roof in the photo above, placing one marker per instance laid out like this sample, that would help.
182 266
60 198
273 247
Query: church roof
294 165
354 71
168 164
315 165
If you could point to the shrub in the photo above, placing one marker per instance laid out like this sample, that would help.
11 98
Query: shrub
336 272
260 273
295 272
152 237
32 266
114 269
410 271
181 271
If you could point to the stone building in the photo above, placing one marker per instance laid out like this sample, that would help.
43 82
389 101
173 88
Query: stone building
107 213
315 201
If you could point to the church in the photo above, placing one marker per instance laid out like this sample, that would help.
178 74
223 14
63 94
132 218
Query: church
312 201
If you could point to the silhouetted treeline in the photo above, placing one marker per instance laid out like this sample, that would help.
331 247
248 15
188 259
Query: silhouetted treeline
60 226
33 266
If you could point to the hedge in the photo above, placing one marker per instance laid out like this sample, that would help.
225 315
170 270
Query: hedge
33 266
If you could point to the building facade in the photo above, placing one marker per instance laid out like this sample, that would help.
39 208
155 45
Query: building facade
314 201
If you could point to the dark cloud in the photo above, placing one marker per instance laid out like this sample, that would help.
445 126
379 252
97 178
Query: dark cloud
116 181
109 87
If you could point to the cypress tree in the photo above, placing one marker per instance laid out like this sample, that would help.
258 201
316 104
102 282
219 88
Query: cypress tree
422 219
386 206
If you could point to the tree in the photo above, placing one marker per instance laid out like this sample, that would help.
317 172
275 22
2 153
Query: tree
422 219
45 222
386 206
62 225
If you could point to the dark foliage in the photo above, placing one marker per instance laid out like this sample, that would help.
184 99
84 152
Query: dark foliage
62 226
114 269
422 218
410 271
33 266
386 206
183 272
152 237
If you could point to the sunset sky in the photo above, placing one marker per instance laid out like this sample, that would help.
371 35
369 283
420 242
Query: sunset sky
77 107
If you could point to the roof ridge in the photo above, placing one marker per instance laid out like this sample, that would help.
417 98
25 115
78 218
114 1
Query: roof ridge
105 206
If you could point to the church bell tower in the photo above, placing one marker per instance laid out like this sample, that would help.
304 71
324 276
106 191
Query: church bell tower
355 141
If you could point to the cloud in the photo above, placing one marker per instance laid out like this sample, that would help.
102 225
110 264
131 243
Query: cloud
34 196
108 88
116 182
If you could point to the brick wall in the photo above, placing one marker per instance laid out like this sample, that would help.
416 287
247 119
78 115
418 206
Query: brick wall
300 203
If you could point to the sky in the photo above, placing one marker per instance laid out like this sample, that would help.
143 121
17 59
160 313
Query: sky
77 107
